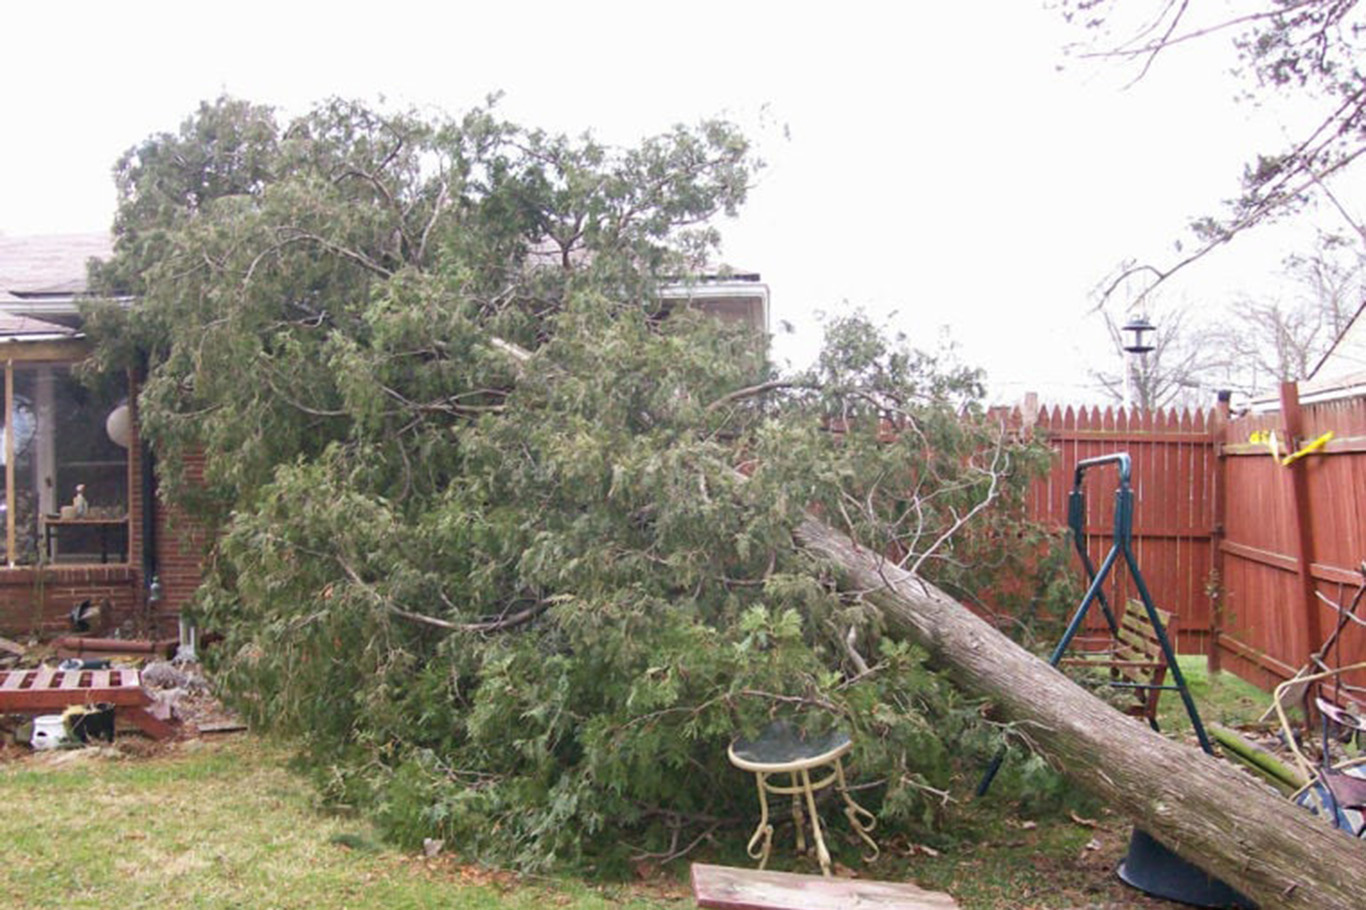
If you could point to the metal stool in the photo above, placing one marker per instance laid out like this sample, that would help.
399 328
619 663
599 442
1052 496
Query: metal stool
782 748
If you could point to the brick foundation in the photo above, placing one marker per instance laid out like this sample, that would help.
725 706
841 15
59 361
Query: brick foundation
37 601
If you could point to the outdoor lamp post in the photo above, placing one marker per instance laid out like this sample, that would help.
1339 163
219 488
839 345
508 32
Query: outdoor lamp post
1136 344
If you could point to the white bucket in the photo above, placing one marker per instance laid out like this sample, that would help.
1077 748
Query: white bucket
48 731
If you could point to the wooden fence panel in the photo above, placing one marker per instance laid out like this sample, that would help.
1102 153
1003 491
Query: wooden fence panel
1267 627
1243 551
1172 456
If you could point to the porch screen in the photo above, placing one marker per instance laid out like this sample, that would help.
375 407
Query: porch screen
61 444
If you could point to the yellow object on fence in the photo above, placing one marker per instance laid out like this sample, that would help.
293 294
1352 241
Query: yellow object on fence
1268 439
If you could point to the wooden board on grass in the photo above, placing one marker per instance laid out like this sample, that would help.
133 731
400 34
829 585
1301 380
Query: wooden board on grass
729 888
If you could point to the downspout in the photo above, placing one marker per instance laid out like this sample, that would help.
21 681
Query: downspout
148 482
149 514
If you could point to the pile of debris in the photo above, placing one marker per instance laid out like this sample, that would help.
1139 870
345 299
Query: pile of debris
183 696
51 700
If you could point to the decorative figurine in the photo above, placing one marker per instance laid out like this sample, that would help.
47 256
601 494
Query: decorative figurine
79 504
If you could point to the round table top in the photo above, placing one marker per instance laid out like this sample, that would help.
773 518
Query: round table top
782 746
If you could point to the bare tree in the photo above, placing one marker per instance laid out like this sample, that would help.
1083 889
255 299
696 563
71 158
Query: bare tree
1332 280
1282 337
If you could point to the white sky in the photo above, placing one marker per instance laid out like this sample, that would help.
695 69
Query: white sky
941 170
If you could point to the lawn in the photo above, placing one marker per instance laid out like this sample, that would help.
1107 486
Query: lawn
222 823
1223 699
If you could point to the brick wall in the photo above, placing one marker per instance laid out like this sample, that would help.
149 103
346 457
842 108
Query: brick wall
37 601
181 544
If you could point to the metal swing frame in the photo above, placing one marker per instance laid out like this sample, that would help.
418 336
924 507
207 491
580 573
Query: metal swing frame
1122 545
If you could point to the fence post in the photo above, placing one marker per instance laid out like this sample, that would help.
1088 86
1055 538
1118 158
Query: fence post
1304 525
1218 431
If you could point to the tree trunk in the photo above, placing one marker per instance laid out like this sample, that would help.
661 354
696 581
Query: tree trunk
1211 814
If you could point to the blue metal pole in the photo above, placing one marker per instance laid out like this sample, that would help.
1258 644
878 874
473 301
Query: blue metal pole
1161 631
1075 518
1076 523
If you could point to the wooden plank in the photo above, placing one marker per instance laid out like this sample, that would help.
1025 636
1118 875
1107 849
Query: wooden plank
1257 656
71 679
1219 517
152 726
1136 643
1103 663
1334 574
1349 445
14 679
1158 531
69 350
42 679
1259 556
10 486
1302 513
728 888
33 700
81 646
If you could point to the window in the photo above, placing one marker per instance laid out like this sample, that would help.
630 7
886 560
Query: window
61 447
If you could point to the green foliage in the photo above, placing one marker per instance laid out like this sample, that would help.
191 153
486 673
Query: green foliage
483 546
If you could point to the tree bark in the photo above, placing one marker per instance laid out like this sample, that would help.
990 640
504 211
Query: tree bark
1211 814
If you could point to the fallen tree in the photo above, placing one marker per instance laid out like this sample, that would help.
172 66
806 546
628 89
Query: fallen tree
468 470
1204 810
523 603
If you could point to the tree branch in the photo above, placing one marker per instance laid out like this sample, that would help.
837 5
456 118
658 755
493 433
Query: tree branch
346 253
502 623
759 389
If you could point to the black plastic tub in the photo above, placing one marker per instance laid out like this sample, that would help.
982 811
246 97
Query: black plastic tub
94 723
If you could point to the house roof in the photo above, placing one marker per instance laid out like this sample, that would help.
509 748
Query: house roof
14 327
1342 371
48 268
45 275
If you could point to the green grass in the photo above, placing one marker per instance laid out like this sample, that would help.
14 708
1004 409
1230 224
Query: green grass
1224 699
224 825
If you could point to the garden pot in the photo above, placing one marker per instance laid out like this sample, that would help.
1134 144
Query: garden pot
49 731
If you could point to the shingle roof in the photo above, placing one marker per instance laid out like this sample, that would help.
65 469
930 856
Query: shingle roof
14 327
48 266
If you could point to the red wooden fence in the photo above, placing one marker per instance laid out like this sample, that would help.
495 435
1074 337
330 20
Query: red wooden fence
1273 618
1174 461
1220 525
